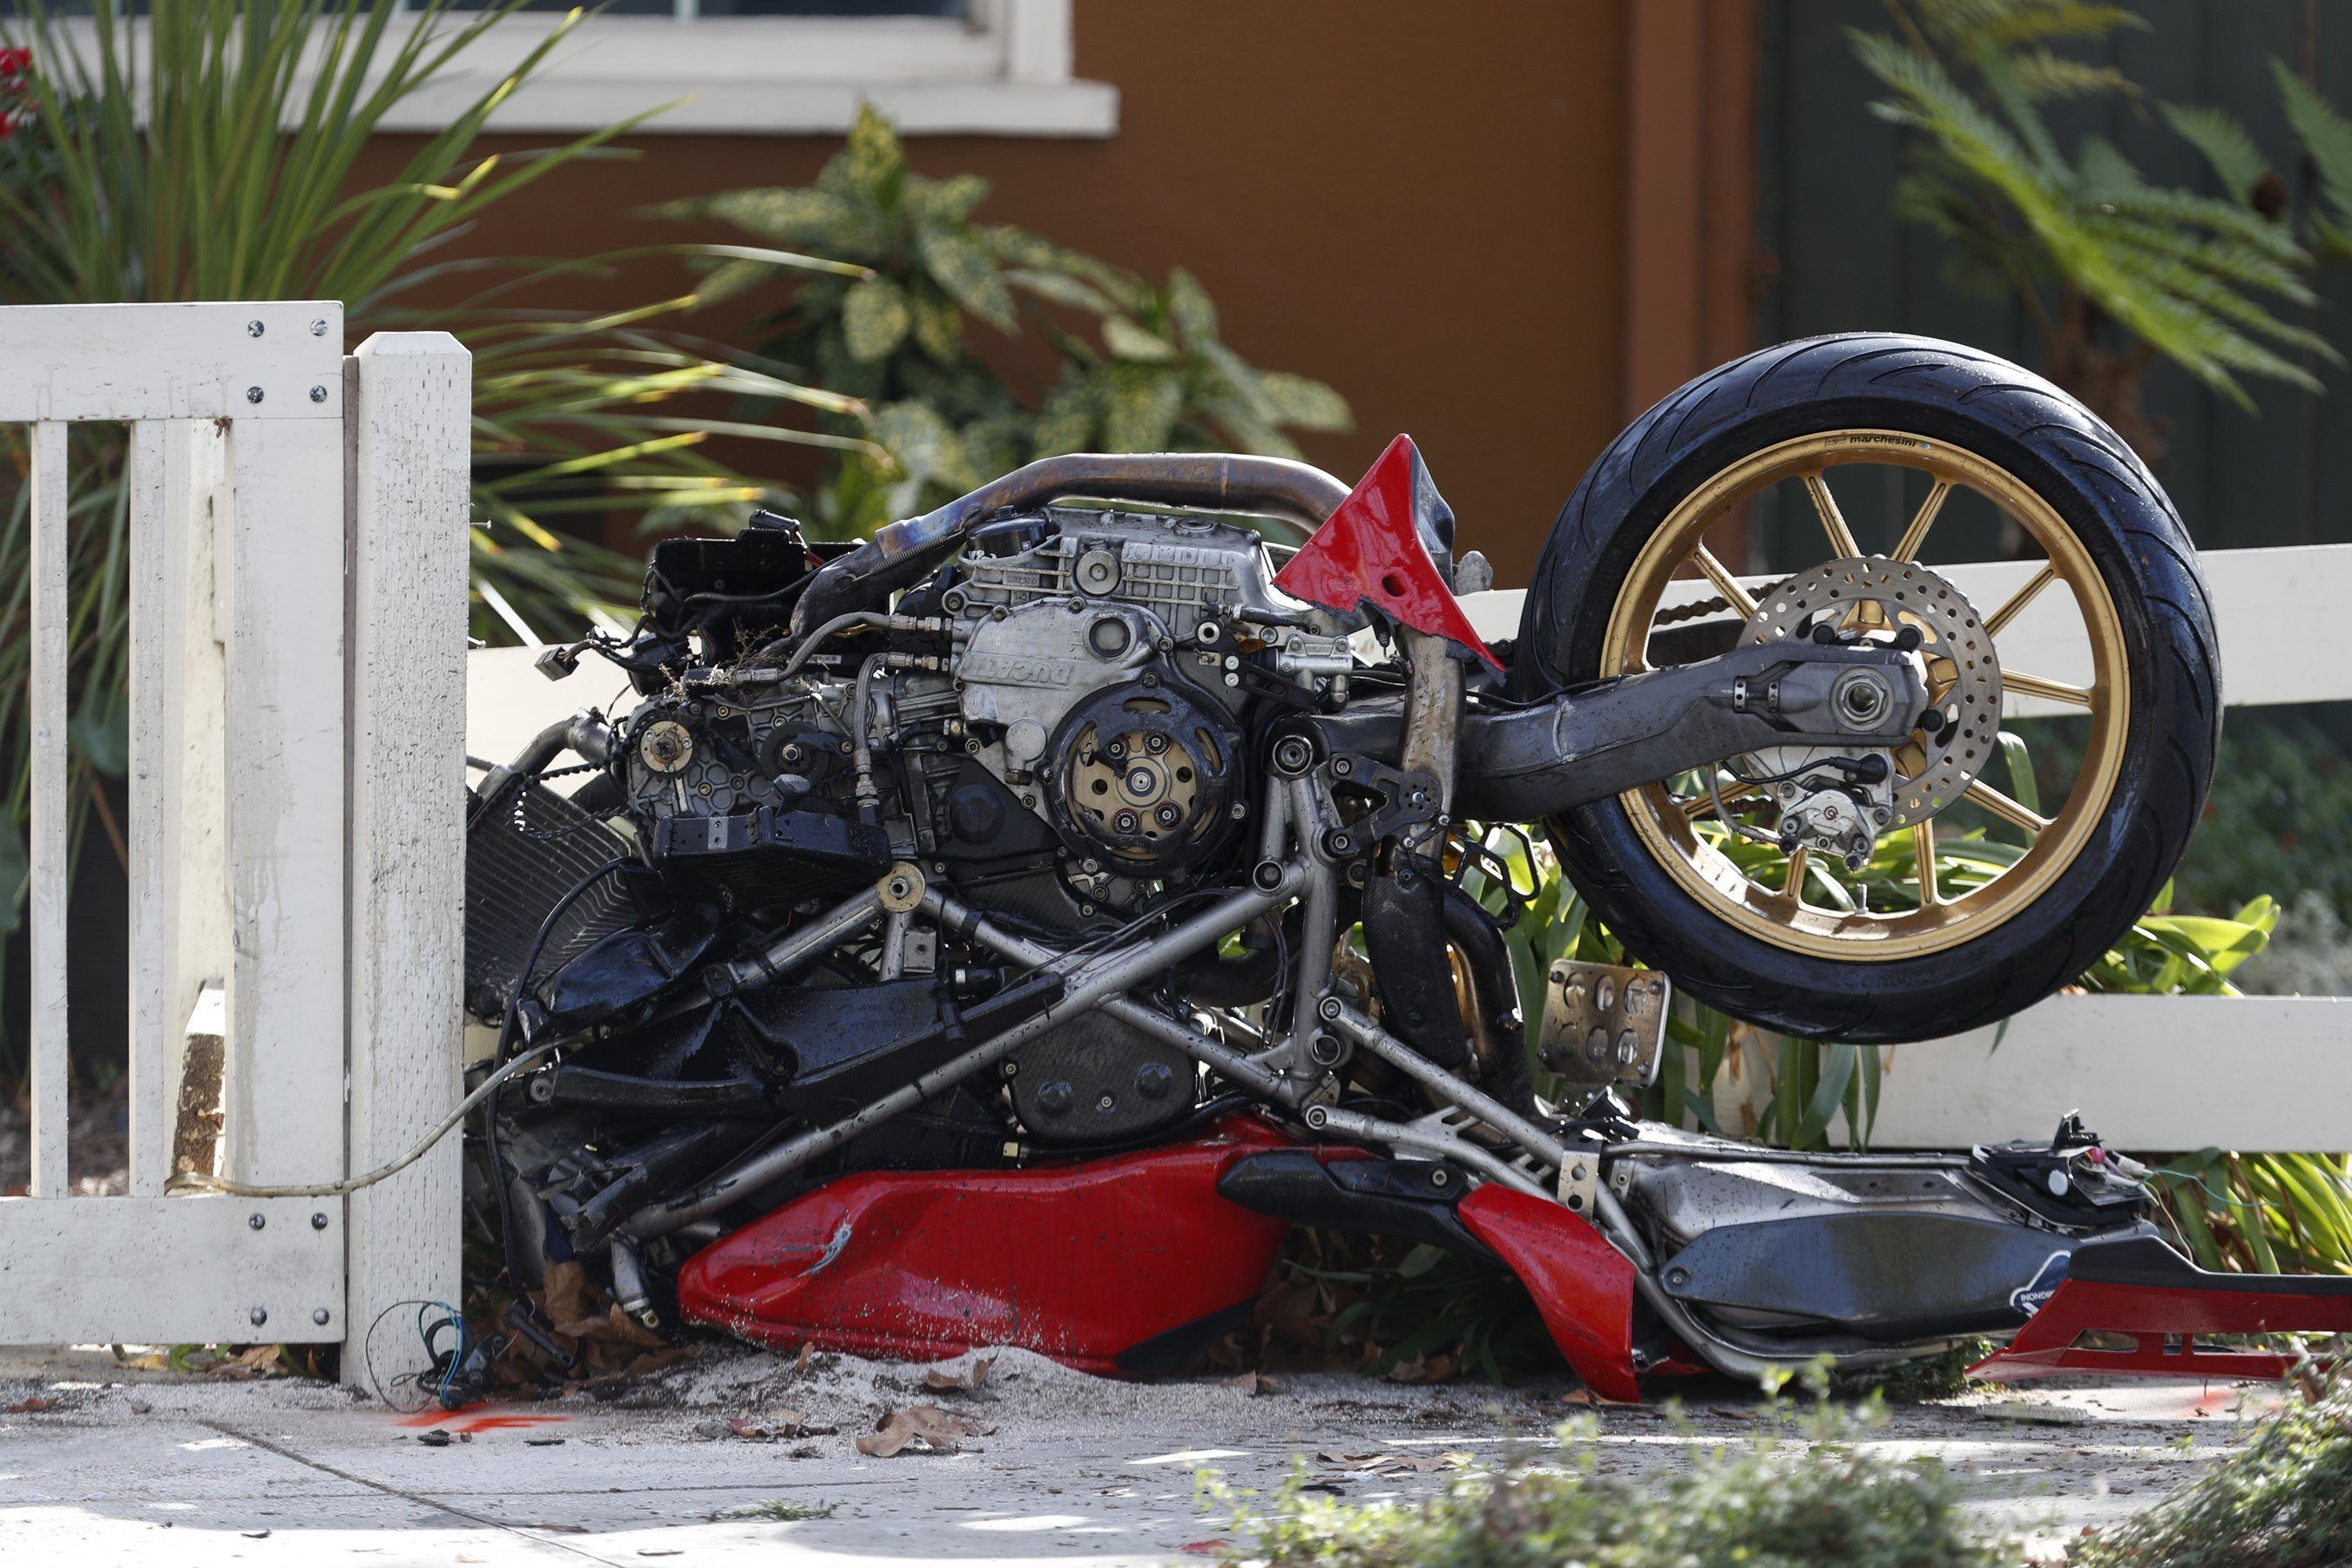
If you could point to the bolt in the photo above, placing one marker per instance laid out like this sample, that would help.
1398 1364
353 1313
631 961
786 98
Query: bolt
1439 1176
1677 1276
317 1222
317 395
318 328
255 1221
259 1316
254 329
1343 767
1106 1102
253 395
319 1316
1576 1172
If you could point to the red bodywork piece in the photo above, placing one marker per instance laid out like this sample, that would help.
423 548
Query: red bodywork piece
1083 1262
2163 1321
1582 1285
1371 551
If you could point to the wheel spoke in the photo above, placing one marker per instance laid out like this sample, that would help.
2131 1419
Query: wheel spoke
2048 690
1817 485
1794 885
1922 519
1923 849
2002 806
1734 594
2017 602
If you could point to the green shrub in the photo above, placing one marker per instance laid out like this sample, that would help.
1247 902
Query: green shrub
1762 1502
1141 366
2283 1502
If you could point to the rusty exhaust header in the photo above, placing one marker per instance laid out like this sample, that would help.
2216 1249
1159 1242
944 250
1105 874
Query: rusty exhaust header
899 552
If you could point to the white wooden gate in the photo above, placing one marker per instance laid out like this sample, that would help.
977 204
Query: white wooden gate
298 588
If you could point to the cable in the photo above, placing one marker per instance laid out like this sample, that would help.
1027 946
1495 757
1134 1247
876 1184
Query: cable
192 1181
197 1182
441 1369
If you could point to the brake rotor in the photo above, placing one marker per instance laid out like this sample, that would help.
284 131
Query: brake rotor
1875 598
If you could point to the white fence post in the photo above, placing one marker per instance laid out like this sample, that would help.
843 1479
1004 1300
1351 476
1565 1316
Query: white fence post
410 418
45 905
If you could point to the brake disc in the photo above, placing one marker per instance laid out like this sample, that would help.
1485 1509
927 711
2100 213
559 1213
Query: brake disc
1874 598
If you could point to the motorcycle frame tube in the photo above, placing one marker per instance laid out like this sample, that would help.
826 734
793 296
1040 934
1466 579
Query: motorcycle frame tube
1433 722
1258 1079
795 948
1362 1129
1427 1073
1320 925
1084 989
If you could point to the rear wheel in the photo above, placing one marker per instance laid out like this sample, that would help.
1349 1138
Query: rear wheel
2077 683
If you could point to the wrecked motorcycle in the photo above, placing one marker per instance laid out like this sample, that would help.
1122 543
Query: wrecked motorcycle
1000 931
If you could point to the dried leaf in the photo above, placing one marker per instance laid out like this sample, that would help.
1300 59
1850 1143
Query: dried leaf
565 1295
28 1406
1251 1383
941 1378
1383 1464
934 1428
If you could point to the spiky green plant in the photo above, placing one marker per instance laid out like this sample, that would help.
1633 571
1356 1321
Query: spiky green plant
209 150
2113 269
1143 366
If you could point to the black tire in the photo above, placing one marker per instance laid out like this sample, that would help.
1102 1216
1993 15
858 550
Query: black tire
2102 492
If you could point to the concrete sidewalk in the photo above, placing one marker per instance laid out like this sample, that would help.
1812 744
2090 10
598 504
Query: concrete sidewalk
130 1467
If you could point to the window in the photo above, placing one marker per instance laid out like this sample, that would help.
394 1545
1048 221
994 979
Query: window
787 65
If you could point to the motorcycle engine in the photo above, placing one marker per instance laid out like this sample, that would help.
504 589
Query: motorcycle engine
1055 726
1100 670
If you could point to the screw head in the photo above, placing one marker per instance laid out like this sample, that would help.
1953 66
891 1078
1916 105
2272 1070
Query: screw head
255 1221
317 395
317 1222
259 1316
254 329
319 1316
253 395
318 328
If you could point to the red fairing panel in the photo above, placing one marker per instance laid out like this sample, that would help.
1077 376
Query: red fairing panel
1370 552
1582 1286
2163 1323
1082 1262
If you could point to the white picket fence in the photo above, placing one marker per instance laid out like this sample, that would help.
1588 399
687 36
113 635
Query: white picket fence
297 548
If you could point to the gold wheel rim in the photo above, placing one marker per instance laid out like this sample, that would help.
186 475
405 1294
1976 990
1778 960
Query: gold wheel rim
1779 914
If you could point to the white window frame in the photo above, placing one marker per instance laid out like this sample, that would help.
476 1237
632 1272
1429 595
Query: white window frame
1005 70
